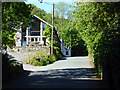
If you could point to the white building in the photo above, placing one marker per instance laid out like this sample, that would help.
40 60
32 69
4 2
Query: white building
65 50
33 35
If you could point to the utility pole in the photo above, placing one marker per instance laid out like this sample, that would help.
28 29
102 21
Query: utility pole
52 25
70 45
52 29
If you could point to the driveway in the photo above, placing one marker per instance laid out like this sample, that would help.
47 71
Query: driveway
70 72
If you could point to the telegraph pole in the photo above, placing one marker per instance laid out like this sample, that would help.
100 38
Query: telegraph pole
52 25
52 29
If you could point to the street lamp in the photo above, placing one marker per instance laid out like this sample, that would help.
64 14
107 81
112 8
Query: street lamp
52 24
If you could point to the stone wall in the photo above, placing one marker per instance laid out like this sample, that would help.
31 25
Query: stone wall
27 49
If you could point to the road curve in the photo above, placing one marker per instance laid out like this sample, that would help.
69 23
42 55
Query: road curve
70 72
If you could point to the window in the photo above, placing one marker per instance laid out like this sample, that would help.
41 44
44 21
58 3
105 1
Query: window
35 28
35 39
66 52
32 39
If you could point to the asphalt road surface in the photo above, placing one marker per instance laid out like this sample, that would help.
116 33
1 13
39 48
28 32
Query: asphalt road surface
70 72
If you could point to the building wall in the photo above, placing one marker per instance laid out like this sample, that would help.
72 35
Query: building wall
21 39
65 50
18 38
34 26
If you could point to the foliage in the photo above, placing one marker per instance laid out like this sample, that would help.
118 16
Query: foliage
41 54
47 31
61 10
106 50
66 27
56 44
58 56
52 59
38 59
11 19
37 11
48 18
98 25
41 58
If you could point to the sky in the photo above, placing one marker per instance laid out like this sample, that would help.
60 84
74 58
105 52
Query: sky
48 7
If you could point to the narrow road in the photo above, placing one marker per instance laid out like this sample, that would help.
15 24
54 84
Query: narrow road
71 72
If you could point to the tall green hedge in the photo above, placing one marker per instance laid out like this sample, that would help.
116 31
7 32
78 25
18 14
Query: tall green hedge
99 26
106 51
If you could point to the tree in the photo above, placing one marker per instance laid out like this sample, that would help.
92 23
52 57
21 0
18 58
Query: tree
61 13
37 11
13 14
48 18
98 25
92 19
61 9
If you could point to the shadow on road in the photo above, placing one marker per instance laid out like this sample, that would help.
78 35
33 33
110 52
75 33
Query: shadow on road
61 78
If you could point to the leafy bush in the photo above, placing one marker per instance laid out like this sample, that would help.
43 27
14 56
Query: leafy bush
44 61
41 58
41 54
26 60
58 56
52 59
37 63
